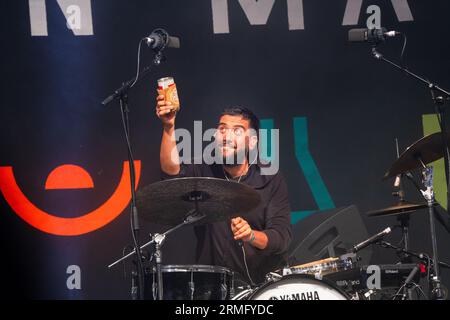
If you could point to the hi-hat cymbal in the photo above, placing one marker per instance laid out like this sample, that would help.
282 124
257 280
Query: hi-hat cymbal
427 149
168 202
401 208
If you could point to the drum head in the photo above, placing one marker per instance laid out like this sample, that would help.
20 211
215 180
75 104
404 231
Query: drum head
299 287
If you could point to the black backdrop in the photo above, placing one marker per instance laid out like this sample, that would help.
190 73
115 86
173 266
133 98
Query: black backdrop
51 115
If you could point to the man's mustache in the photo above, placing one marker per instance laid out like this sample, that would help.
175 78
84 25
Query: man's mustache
226 144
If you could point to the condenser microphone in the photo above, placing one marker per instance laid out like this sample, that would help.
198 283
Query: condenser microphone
371 240
159 39
373 36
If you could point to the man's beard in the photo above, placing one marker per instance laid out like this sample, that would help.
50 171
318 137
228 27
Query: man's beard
235 159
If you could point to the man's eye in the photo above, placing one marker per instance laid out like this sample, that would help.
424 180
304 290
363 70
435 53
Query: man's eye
238 131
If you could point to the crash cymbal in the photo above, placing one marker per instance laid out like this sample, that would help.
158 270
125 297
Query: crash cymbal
427 149
401 208
168 202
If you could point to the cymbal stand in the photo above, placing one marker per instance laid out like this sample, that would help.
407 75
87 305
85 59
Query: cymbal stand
403 219
158 240
428 194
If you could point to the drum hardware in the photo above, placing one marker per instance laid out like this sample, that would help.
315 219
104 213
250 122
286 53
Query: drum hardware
158 240
422 257
402 211
273 276
422 152
403 219
121 94
347 275
191 286
232 292
393 278
223 288
192 201
239 291
243 295
425 260
439 96
428 194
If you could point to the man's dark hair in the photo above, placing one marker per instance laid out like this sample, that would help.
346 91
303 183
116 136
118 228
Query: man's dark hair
245 113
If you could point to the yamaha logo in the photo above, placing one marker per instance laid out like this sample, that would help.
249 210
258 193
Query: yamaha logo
310 295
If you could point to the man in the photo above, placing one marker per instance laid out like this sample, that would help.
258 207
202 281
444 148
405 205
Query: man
253 246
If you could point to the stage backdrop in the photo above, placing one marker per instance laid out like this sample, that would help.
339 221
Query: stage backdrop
63 167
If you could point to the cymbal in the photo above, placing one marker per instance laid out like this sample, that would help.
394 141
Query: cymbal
427 149
401 208
168 202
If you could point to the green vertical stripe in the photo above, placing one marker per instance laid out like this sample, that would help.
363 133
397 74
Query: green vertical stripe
307 164
310 170
296 216
431 125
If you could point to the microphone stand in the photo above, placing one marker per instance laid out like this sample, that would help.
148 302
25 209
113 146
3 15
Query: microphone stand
126 86
122 95
423 257
428 171
439 106
420 256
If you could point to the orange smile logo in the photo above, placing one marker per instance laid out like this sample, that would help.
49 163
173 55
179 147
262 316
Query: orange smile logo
68 177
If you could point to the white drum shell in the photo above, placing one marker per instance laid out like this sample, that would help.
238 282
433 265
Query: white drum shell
298 287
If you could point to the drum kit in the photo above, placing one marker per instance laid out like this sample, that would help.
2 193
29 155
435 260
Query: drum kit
202 200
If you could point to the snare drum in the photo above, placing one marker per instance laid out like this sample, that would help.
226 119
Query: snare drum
191 282
321 267
296 287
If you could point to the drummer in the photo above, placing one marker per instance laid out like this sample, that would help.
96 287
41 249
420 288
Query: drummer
253 246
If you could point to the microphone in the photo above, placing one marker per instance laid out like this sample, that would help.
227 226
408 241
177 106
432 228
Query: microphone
411 275
159 39
371 240
373 36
